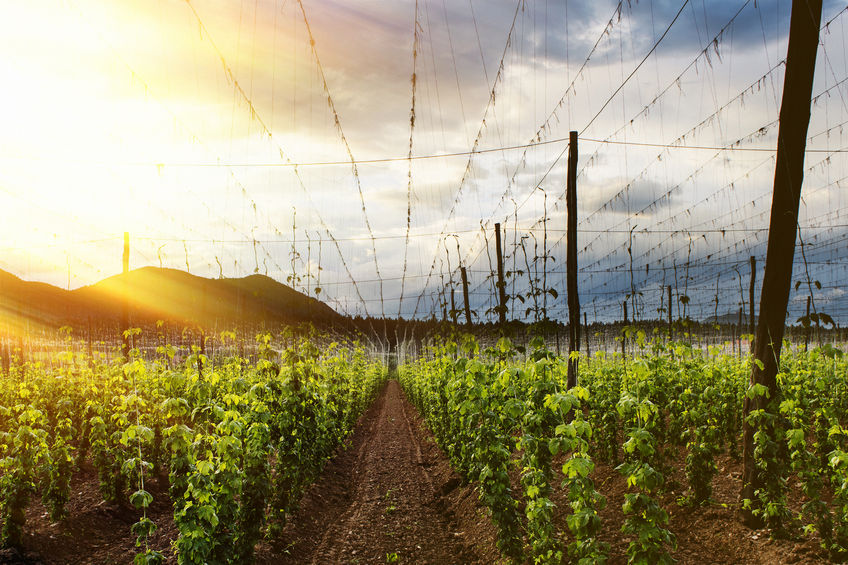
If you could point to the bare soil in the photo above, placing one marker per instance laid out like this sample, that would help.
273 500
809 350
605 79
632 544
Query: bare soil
709 534
94 532
390 495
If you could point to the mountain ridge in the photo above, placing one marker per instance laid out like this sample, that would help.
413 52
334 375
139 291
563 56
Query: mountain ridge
154 293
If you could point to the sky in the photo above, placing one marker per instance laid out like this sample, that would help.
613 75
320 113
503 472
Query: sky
232 138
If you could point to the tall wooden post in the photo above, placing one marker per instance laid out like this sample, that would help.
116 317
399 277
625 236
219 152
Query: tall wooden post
501 282
586 333
739 330
125 309
808 328
788 178
465 296
751 323
453 304
670 327
571 259
716 324
623 333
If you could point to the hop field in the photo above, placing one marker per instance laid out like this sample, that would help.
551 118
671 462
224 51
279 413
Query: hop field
229 446
236 442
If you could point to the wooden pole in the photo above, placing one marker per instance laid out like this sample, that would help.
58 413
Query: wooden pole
501 284
808 328
739 331
571 260
777 280
465 296
733 337
453 304
751 323
623 333
125 311
716 324
670 327
586 333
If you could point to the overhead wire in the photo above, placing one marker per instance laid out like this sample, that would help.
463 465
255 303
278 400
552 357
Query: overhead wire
338 124
254 114
416 42
475 144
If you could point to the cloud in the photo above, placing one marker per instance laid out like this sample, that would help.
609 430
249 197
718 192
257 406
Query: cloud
615 196
98 96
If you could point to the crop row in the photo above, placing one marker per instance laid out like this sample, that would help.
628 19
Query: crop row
501 410
236 443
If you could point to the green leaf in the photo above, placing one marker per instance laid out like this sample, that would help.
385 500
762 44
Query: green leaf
143 528
756 390
149 557
141 499
578 467
207 512
795 437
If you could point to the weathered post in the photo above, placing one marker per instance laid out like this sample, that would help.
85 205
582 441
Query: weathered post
777 280
717 326
739 331
501 282
453 304
809 326
624 330
586 333
571 260
670 327
465 296
733 337
751 324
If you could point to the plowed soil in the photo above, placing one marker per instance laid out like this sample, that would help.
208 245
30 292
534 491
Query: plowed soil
389 496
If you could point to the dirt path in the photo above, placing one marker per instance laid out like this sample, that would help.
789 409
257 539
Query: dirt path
388 498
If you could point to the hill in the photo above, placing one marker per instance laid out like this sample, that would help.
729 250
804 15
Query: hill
167 294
